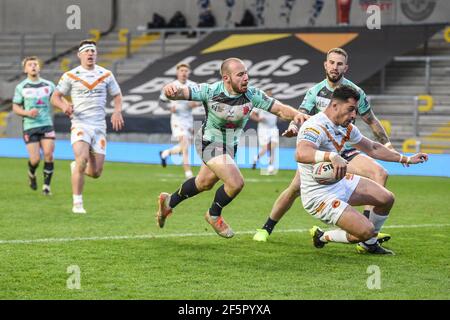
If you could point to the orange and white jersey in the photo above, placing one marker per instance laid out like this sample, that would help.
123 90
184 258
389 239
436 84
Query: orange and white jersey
327 137
88 90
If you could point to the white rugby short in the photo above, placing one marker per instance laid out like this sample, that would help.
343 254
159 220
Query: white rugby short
268 135
181 128
329 202
95 137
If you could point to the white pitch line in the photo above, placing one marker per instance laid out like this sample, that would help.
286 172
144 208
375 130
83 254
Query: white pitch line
185 235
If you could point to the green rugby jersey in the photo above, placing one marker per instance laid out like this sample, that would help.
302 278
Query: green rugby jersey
226 115
318 98
35 95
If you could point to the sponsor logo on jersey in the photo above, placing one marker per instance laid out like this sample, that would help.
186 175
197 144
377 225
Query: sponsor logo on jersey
310 136
313 130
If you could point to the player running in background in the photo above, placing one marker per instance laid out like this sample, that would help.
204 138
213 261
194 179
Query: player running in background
316 100
88 86
322 138
268 135
181 121
228 105
32 102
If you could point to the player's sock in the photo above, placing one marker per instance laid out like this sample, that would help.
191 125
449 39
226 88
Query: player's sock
378 221
188 174
269 225
366 213
188 189
221 199
48 172
77 198
255 160
31 168
165 153
335 236
176 149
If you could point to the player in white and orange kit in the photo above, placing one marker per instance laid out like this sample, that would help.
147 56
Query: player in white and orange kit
268 135
321 139
88 86
181 121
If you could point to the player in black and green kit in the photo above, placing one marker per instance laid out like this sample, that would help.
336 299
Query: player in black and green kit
32 102
228 104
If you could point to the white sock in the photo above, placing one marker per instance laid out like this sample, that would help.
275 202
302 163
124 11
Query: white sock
188 174
378 221
165 154
77 198
335 236
255 159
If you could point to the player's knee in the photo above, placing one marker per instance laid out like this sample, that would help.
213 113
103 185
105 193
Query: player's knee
97 173
48 156
389 199
367 232
236 185
381 175
81 164
378 174
34 161
204 184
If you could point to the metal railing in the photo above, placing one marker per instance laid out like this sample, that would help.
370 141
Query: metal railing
56 40
427 71
28 40
52 40
49 45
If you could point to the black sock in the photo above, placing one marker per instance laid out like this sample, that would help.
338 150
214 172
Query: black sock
366 213
270 224
48 172
32 168
188 189
221 199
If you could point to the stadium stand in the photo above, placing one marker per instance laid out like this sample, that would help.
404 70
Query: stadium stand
408 79
404 79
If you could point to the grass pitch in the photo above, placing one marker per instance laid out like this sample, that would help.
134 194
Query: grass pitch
121 254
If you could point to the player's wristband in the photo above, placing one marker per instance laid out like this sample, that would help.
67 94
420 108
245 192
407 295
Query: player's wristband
404 159
321 156
388 145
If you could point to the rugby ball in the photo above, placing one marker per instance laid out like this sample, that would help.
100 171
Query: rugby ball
323 173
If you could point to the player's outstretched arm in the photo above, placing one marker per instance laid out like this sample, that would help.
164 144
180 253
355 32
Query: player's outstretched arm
59 102
286 112
376 127
378 131
116 118
378 151
176 92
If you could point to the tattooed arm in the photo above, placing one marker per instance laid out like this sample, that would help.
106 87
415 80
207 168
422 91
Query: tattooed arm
377 129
